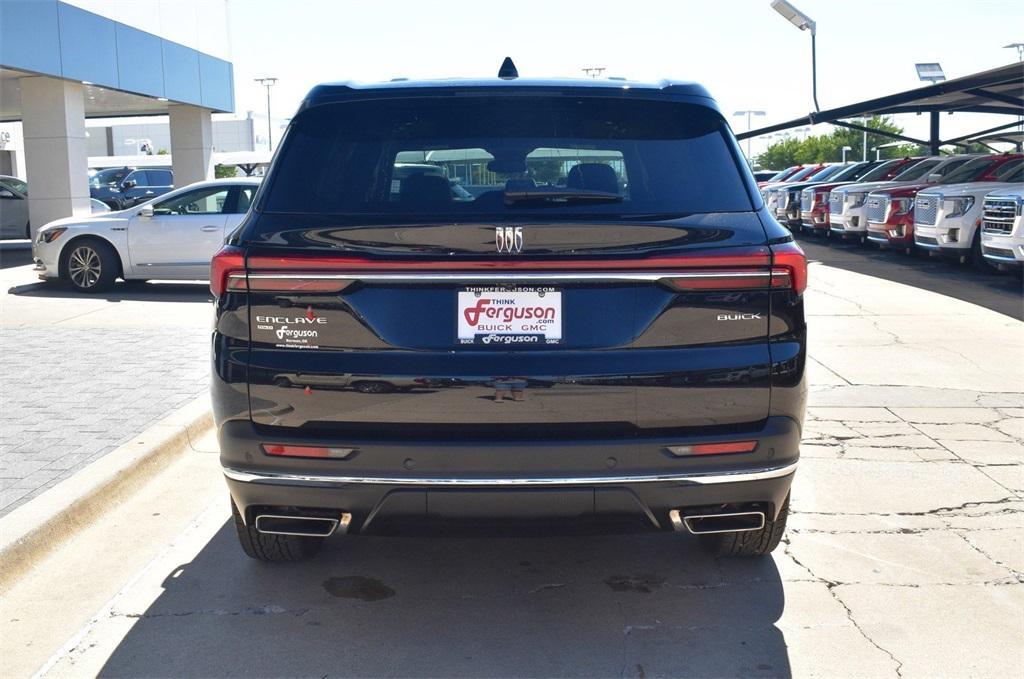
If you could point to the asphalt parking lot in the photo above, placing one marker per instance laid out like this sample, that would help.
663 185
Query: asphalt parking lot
904 555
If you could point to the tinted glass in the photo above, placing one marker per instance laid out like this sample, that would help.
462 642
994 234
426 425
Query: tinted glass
971 170
159 177
15 183
825 173
782 174
205 201
245 196
1015 174
854 171
109 177
881 171
417 159
917 170
804 173
1007 170
139 177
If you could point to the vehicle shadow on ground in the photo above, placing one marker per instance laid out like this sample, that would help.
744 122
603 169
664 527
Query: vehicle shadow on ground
1001 292
134 291
595 606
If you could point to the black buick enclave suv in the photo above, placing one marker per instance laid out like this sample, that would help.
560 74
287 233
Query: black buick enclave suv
605 324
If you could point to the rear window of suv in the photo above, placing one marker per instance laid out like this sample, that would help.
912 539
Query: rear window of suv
424 159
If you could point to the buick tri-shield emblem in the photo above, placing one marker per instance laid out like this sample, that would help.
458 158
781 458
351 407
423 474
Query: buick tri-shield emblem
508 239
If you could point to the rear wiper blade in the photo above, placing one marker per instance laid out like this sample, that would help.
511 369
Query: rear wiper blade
561 196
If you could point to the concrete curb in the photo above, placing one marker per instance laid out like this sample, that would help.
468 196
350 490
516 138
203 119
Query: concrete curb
42 524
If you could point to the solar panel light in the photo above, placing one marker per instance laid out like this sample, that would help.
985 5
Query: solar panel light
930 72
794 16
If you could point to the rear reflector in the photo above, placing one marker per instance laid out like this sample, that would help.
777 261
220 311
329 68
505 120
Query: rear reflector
307 451
713 448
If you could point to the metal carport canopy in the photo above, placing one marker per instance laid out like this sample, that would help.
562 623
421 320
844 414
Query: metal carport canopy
1000 91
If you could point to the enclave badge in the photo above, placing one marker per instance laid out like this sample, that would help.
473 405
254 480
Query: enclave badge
508 239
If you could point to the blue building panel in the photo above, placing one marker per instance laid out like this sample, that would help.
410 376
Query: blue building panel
181 74
140 63
216 77
53 38
88 48
30 35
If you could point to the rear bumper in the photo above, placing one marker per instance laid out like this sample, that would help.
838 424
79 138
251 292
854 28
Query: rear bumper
589 480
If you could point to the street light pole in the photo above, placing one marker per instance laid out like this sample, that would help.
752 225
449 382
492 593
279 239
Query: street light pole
803 22
268 83
748 114
845 149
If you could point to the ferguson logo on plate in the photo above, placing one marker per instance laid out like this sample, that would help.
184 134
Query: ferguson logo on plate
483 315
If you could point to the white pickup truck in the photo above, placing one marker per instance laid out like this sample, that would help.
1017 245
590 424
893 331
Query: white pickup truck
1002 231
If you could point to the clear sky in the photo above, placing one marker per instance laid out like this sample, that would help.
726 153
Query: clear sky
746 54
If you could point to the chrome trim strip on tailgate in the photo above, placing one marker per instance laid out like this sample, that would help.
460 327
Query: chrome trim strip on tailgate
684 479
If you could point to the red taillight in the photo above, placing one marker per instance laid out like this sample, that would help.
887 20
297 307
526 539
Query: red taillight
789 262
724 258
307 451
228 260
721 269
723 448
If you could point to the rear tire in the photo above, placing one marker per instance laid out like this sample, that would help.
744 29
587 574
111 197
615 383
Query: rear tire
751 542
273 548
373 387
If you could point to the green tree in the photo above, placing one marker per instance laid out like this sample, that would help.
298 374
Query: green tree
827 148
224 171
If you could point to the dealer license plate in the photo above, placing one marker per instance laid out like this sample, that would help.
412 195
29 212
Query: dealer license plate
509 316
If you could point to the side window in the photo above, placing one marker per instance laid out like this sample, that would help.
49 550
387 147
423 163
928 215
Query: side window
159 177
245 194
205 201
137 176
951 166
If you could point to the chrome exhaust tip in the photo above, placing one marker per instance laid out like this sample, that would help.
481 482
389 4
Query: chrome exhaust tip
706 524
306 526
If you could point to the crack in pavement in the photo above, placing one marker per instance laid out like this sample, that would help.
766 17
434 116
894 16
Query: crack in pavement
831 586
1017 575
929 512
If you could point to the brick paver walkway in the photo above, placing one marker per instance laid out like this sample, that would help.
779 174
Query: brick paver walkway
71 395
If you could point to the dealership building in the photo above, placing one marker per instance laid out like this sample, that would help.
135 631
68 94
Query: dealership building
63 61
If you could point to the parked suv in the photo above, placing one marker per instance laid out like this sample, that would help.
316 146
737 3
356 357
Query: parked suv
949 220
813 211
1002 234
846 204
124 187
787 196
621 332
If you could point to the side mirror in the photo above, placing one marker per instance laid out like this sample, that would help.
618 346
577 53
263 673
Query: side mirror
146 211
128 184
934 177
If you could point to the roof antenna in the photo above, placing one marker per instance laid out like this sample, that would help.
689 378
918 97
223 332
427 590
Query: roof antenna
508 70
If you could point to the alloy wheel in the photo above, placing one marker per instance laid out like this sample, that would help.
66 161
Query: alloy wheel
84 266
